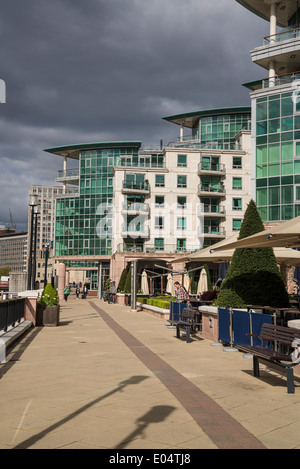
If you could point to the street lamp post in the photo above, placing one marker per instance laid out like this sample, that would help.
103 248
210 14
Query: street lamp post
47 245
33 200
36 211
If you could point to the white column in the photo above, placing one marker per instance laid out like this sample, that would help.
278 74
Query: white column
273 18
181 132
65 169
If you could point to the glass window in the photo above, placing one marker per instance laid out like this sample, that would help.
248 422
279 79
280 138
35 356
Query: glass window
287 211
297 193
274 213
274 195
261 111
274 109
237 162
287 194
181 181
262 154
181 223
287 151
159 201
236 183
286 107
274 169
274 126
159 180
287 168
236 204
236 224
159 244
182 161
181 244
159 223
262 128
274 152
261 197
181 202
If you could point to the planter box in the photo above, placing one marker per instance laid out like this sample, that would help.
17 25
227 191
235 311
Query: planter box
47 315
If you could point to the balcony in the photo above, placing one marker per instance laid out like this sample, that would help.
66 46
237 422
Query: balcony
135 187
286 79
167 248
211 189
211 210
135 208
134 231
211 168
71 176
211 232
282 36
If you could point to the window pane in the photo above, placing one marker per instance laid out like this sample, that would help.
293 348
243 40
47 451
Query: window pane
261 197
274 152
287 194
261 154
274 126
181 160
274 213
274 169
287 151
286 168
261 171
262 128
274 109
261 111
274 196
286 107
236 183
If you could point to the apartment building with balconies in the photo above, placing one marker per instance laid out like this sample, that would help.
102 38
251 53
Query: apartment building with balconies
126 201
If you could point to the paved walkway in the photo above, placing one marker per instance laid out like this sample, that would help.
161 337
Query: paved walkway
110 378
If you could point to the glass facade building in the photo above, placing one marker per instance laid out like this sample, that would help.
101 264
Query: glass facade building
275 104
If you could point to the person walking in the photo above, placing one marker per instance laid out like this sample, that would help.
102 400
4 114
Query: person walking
66 292
77 292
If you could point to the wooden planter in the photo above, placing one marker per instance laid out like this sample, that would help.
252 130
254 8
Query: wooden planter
47 315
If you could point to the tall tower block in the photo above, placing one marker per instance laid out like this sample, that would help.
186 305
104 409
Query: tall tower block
275 103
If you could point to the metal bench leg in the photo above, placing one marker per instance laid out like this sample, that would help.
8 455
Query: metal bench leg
255 366
178 332
290 380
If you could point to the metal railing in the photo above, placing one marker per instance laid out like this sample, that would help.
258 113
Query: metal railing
167 248
68 173
138 186
11 313
282 36
280 79
219 167
136 207
217 188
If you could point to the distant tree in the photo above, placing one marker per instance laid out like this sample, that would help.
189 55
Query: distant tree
253 276
209 282
4 271
127 288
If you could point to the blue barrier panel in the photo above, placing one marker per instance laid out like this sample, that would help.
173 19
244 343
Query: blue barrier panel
241 327
257 321
176 309
224 324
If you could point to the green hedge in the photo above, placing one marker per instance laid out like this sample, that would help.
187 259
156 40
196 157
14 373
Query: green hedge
159 303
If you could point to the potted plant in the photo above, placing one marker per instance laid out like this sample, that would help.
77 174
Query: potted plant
48 307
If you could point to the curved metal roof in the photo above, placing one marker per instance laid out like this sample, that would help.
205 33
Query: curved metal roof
72 151
285 9
189 119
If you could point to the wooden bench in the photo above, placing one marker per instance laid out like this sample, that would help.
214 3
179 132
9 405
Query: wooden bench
275 351
188 320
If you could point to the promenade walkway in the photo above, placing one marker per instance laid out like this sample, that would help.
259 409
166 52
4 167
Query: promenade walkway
110 378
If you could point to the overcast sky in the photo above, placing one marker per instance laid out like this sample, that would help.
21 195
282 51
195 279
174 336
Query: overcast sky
80 71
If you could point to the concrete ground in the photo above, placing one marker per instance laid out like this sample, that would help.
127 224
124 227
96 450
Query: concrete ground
111 378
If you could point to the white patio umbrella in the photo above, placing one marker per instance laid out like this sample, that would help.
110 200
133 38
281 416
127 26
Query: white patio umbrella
202 284
285 235
144 283
186 282
170 285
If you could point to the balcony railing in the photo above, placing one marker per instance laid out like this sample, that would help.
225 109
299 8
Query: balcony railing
211 167
211 188
280 80
68 173
211 231
136 186
135 231
135 207
282 36
211 209
167 248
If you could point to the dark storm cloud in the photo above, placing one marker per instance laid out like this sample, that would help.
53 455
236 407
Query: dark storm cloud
79 71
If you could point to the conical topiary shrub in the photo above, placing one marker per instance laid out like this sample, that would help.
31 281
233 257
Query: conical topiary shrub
253 277
49 296
121 285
